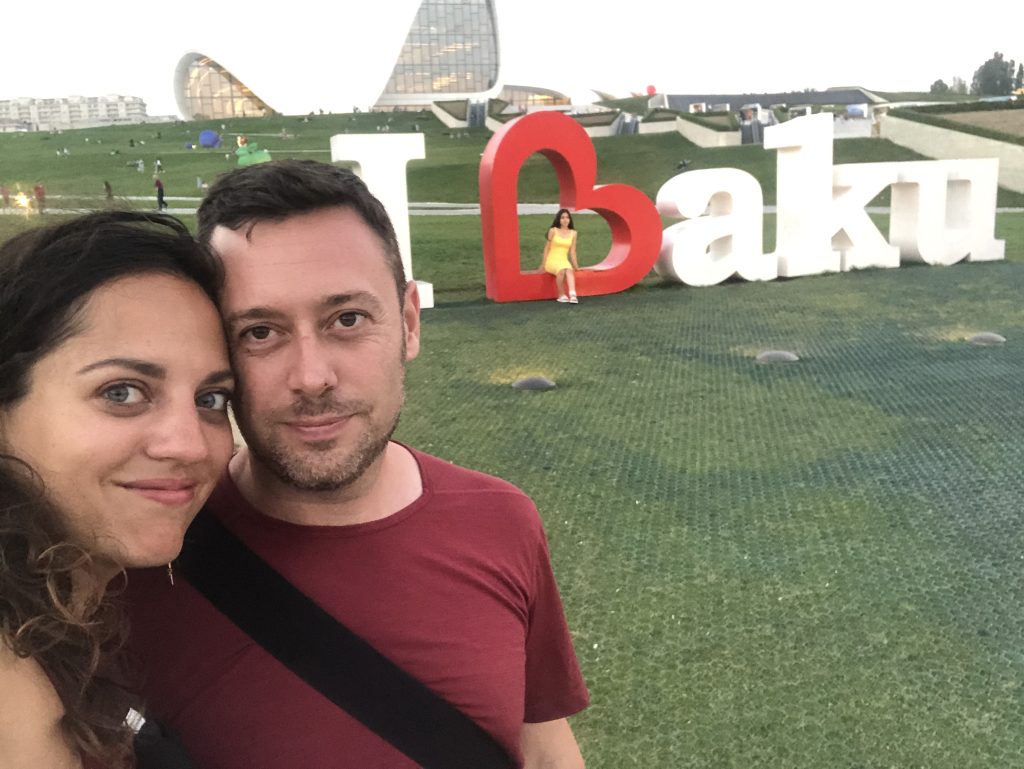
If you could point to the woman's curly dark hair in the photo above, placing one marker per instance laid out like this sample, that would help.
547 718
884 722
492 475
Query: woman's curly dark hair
39 618
46 278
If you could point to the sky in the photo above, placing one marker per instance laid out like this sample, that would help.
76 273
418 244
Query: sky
62 48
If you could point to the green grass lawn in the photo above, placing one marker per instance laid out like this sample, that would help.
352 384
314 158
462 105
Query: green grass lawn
809 565
448 174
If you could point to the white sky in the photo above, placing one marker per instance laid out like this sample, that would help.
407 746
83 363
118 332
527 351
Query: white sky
61 48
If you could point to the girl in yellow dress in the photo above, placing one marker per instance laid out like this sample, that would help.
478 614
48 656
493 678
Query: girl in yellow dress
560 255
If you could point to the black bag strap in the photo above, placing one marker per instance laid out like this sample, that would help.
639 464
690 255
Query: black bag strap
329 657
157 748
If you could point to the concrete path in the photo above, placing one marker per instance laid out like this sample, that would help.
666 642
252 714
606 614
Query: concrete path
415 209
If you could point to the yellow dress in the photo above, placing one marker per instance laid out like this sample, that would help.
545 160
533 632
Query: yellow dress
558 254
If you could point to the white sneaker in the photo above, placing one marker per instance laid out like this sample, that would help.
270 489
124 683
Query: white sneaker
573 299
563 299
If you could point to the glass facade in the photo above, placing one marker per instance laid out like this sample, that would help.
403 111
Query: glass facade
450 52
452 48
524 96
206 90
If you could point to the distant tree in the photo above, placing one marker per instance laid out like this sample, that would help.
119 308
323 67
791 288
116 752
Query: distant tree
994 77
939 86
1018 81
959 85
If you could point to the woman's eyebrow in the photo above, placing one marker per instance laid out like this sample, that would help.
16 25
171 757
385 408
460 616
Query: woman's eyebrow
143 367
218 377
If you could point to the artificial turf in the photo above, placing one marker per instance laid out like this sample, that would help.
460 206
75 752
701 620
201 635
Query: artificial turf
815 564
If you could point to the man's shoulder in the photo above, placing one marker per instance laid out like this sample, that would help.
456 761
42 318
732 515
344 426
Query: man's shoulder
447 477
450 483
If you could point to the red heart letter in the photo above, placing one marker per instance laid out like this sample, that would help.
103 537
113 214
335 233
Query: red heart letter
633 218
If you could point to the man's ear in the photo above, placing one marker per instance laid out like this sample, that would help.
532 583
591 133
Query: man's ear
411 320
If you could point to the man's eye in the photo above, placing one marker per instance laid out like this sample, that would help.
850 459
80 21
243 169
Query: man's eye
215 401
259 333
349 319
122 392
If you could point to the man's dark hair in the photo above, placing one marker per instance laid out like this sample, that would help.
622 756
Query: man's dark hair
275 191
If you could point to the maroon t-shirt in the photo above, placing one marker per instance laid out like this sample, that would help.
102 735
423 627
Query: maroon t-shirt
456 588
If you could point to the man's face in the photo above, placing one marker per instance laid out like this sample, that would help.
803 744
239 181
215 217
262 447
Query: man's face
319 344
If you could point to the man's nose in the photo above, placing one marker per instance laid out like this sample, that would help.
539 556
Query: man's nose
311 371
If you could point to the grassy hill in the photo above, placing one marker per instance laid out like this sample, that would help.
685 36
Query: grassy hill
448 174
925 96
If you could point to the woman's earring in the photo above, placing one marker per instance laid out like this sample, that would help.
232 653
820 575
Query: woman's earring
170 573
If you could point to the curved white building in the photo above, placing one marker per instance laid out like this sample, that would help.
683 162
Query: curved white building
424 51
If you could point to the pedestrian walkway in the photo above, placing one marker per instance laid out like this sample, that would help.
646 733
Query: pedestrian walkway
191 203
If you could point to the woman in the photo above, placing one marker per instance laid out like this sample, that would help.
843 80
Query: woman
114 384
560 255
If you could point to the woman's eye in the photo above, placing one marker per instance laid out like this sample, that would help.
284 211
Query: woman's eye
123 393
349 319
214 401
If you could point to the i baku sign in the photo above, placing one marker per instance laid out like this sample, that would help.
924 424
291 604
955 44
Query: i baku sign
942 211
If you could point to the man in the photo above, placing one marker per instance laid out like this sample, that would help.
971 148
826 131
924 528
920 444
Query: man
39 193
443 570
161 204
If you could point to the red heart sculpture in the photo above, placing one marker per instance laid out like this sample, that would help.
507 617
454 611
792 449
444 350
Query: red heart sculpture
632 216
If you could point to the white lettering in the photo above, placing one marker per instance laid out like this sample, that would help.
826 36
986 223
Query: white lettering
856 237
803 195
945 210
381 161
705 250
942 211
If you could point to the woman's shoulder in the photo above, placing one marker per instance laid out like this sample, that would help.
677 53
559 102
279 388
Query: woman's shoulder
25 675
30 715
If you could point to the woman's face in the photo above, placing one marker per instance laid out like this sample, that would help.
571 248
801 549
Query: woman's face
564 219
126 421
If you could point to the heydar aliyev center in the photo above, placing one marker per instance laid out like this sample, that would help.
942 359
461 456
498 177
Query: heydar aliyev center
422 51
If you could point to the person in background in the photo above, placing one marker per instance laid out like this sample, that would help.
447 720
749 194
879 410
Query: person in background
560 256
39 193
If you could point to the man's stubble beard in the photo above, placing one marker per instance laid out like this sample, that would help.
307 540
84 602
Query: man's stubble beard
313 468
291 469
